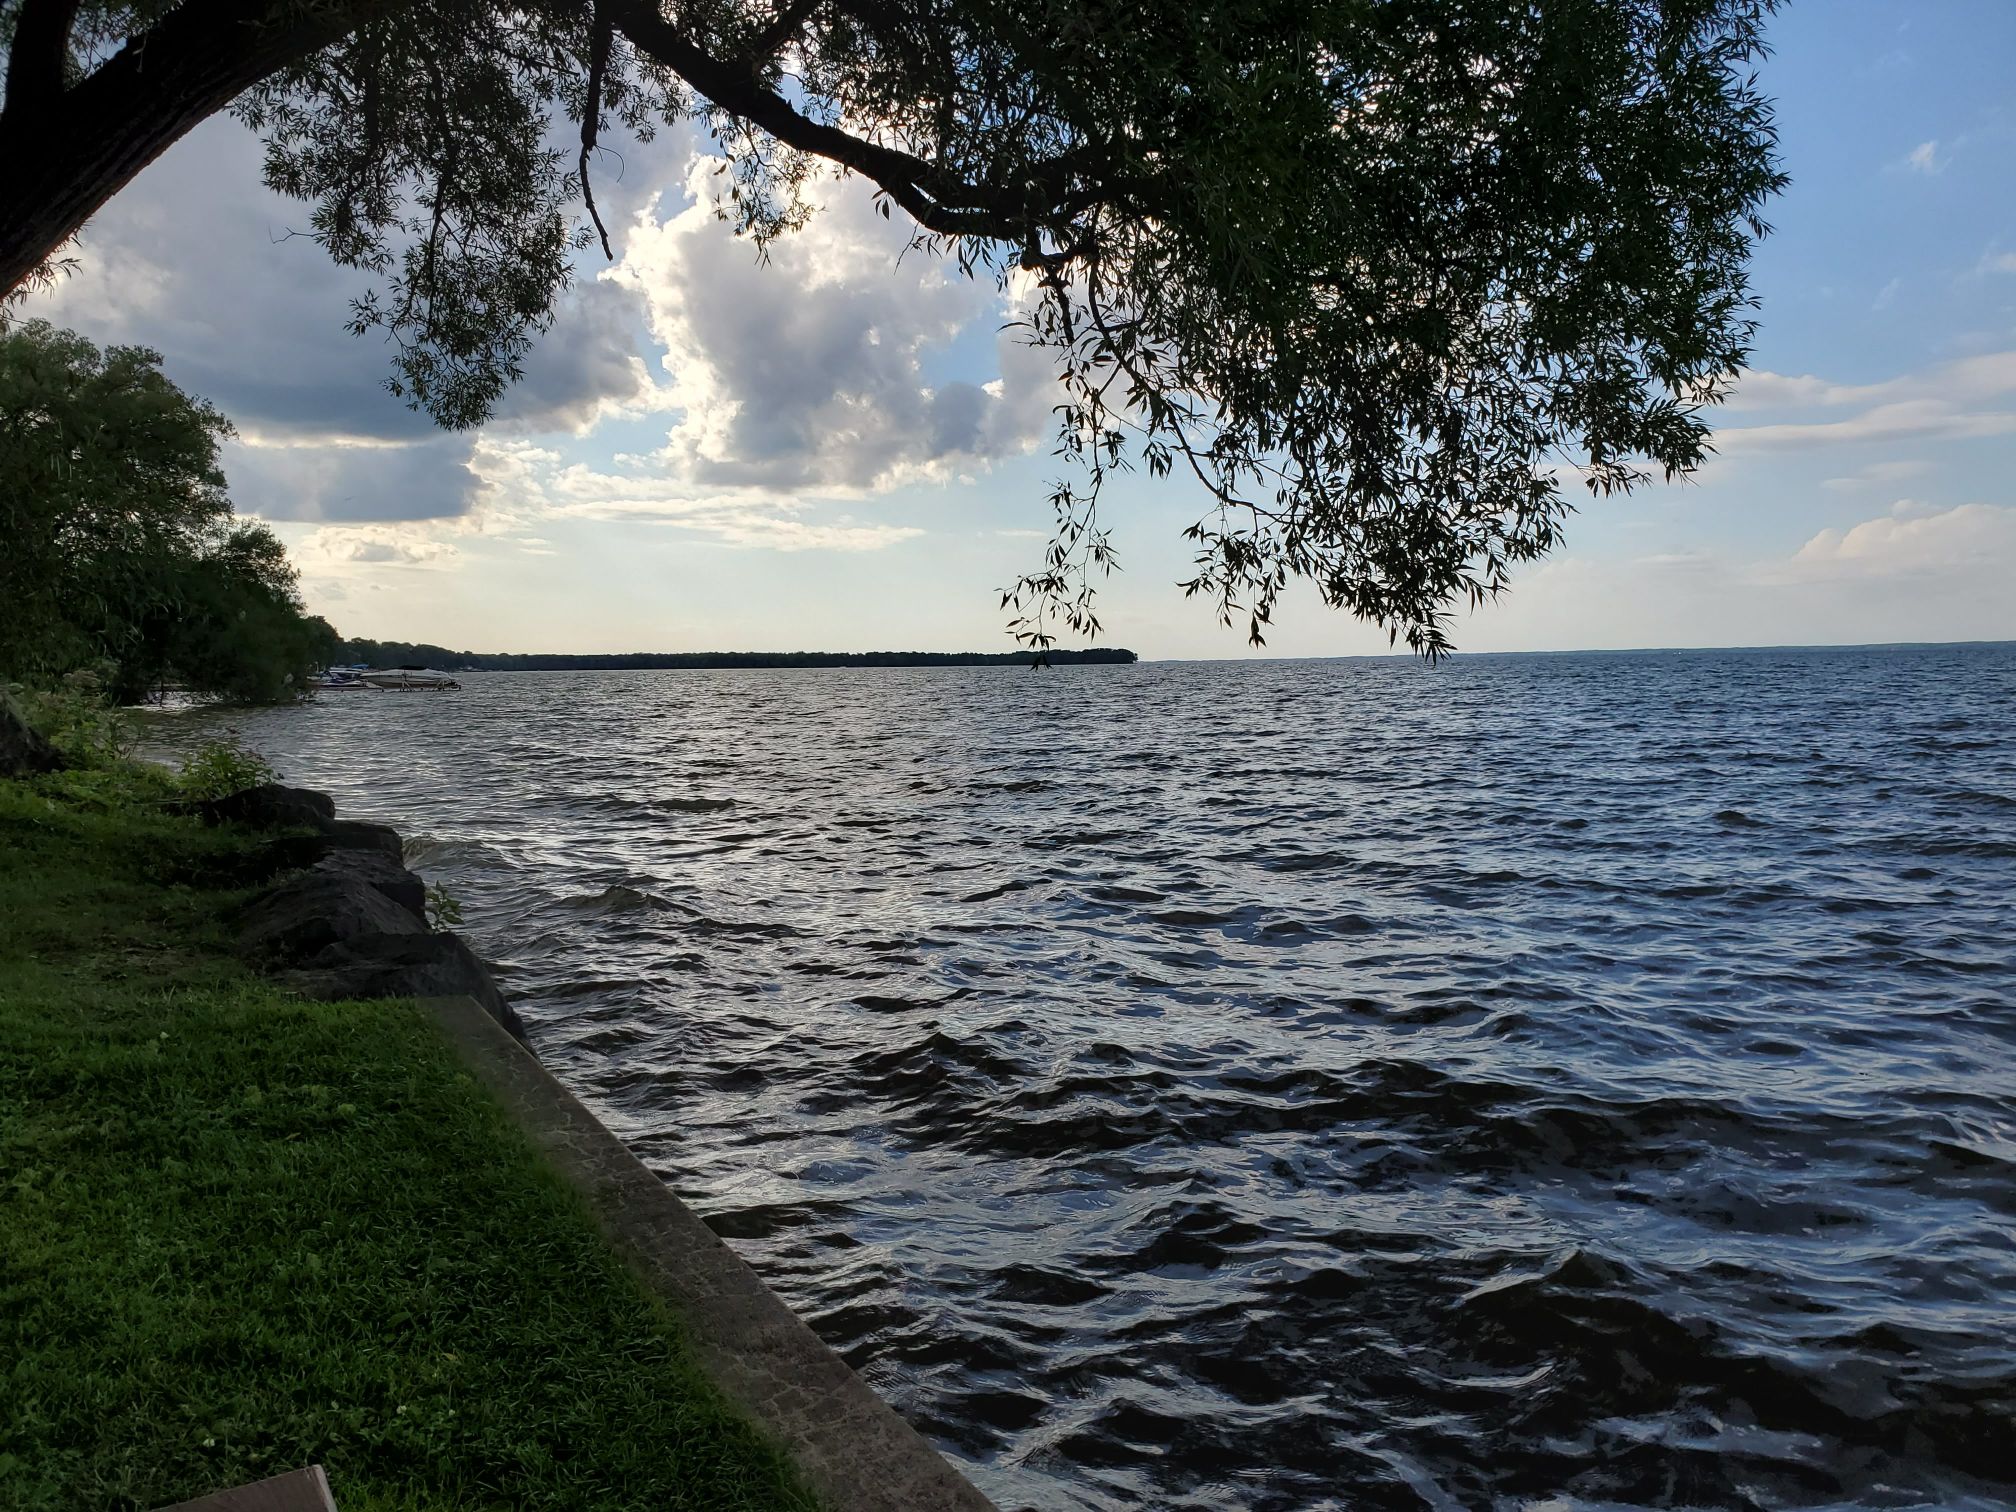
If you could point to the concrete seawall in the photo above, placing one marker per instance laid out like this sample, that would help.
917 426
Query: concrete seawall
850 1444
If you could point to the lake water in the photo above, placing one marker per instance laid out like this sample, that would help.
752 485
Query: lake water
1533 1082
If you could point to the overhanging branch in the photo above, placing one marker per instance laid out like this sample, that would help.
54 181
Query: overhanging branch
39 53
591 114
63 154
939 202
778 34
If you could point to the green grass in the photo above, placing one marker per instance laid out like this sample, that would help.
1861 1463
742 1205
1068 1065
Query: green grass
241 1233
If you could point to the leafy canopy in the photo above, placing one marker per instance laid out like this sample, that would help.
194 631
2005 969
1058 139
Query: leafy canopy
1375 273
122 549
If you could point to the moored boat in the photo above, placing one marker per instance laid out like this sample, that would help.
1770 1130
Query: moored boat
337 679
410 679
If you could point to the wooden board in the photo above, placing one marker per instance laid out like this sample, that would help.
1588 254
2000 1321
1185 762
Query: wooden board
296 1491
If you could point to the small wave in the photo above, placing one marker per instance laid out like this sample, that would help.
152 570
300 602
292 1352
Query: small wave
1983 799
1113 892
876 1004
1567 1080
428 852
1074 839
621 898
988 895
1194 918
625 805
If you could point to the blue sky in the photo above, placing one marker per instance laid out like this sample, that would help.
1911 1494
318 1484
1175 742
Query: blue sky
840 451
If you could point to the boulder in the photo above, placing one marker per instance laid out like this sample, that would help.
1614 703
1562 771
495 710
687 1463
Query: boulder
269 806
362 834
312 912
402 965
23 751
376 869
293 853
287 853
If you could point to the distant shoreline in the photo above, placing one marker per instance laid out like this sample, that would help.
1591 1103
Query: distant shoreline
408 653
395 653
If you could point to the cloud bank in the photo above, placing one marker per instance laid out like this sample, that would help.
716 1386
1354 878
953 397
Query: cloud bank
1916 540
841 369
812 374
1960 400
198 260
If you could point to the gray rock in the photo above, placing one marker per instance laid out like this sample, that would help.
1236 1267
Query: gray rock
402 965
270 806
362 834
376 869
23 751
297 919
288 853
293 853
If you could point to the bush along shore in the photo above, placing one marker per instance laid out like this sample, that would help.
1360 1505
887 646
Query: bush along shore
254 1214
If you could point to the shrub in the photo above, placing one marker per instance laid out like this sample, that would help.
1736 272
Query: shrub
224 766
77 718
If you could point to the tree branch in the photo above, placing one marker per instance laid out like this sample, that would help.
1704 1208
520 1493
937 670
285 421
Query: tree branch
599 40
730 86
39 53
939 202
780 31
64 155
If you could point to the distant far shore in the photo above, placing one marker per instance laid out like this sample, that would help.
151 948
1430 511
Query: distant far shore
401 653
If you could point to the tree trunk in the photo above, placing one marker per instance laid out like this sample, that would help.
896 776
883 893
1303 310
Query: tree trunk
63 155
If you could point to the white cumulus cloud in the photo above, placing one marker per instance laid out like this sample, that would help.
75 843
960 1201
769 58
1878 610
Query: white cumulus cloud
813 372
523 483
1916 539
330 549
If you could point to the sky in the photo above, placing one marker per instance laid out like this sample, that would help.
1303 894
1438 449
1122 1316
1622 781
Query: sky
843 450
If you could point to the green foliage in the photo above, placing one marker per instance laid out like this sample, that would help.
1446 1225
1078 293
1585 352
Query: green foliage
444 909
1367 270
75 717
115 787
245 1233
97 739
225 765
122 551
1372 272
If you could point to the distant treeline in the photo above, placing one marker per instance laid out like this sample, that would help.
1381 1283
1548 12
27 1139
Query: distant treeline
403 653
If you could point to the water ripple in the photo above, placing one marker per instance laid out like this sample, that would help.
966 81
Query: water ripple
1539 1082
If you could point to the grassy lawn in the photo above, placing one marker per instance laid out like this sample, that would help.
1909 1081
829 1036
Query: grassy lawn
240 1233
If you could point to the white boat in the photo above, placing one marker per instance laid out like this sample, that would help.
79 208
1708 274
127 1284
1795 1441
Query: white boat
337 679
409 678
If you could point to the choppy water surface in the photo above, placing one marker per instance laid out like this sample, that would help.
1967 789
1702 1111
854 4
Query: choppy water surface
1550 1082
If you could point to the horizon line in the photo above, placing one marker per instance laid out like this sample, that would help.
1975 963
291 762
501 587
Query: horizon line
1457 654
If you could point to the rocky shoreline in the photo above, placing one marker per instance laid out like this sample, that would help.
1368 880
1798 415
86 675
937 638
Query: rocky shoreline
343 917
